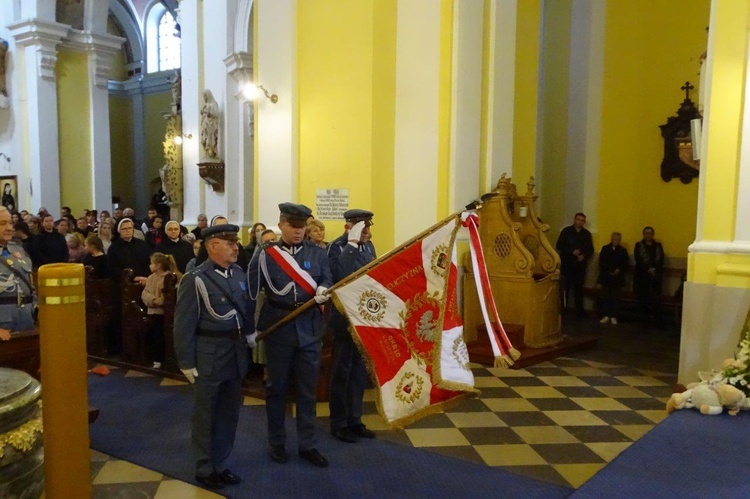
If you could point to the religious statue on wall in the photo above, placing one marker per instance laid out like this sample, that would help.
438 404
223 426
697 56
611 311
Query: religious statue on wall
4 102
176 82
171 173
209 128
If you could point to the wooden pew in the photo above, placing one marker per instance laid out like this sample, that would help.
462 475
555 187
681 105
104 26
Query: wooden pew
170 302
135 321
99 305
22 352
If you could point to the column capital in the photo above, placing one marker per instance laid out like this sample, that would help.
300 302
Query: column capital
101 49
240 66
45 36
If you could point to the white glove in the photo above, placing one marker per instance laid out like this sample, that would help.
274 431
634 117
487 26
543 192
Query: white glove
251 339
355 233
320 295
190 374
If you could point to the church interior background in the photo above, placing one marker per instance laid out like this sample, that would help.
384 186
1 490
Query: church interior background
409 108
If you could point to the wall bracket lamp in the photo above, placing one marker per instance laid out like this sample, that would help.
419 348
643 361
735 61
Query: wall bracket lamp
251 92
178 138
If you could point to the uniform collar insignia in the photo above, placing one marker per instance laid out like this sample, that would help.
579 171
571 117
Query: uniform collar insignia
225 273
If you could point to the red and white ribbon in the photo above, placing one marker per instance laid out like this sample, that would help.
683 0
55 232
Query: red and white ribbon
291 268
501 346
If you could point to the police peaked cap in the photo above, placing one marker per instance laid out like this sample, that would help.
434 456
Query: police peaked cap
356 215
295 211
224 231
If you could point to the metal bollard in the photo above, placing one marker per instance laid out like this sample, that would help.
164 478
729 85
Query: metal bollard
62 339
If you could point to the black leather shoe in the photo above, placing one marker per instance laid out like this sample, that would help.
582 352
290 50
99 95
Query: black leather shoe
278 454
344 435
229 478
212 481
362 431
314 457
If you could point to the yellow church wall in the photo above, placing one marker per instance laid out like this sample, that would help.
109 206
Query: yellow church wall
648 56
73 114
445 107
553 123
528 24
339 130
383 121
154 128
121 147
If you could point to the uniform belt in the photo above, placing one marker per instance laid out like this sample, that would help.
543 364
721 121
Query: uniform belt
285 306
14 300
224 333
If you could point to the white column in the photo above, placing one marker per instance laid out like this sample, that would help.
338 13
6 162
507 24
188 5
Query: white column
101 50
277 124
38 41
466 112
219 15
502 84
240 147
585 108
192 184
417 99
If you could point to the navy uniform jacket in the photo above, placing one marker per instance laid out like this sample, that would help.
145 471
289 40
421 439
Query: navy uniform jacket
345 259
13 317
216 358
309 326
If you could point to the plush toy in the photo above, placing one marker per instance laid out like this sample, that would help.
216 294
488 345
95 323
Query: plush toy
709 399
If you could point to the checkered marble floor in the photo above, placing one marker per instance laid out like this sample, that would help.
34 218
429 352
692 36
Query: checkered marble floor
560 421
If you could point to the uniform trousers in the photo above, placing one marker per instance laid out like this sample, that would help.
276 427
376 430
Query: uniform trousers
348 383
304 362
215 415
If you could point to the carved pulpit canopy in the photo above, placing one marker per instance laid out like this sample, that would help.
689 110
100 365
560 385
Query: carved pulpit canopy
678 159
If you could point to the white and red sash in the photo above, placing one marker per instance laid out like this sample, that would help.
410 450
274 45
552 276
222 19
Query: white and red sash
291 268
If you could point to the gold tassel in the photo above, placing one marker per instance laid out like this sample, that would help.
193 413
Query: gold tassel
515 354
503 361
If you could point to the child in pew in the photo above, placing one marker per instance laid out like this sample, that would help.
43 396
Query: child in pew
153 297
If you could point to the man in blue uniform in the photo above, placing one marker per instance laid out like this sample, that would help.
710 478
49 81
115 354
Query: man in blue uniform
347 254
17 297
291 271
209 337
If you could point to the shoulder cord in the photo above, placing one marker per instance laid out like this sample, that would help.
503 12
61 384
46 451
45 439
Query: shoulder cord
202 292
264 268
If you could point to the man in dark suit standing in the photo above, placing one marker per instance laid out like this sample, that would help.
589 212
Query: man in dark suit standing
575 247
613 263
649 268
212 353
292 272
347 254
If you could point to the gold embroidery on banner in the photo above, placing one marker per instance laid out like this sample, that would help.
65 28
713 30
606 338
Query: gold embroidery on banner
460 353
372 305
440 262
405 277
408 389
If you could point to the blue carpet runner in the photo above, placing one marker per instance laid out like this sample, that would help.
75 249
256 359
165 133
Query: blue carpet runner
149 425
688 455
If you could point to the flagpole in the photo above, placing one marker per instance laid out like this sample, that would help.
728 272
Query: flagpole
311 302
